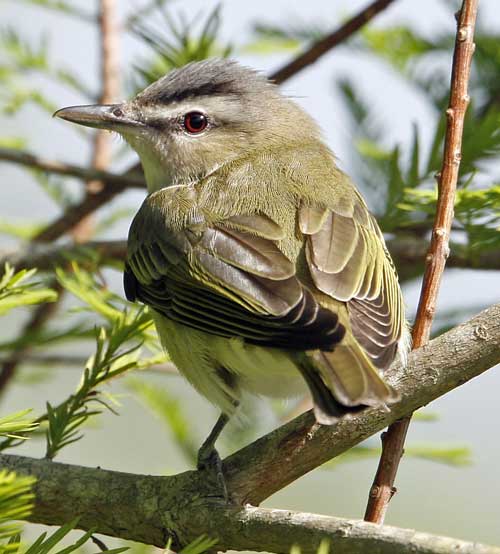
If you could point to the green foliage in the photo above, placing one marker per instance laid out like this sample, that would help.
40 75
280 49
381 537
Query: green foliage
109 361
17 289
406 183
477 212
15 143
52 544
401 45
177 48
134 320
22 59
24 231
118 348
16 502
67 8
55 186
47 337
138 15
14 424
269 39
111 219
198 546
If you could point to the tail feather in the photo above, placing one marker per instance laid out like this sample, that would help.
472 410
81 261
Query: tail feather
327 410
353 378
344 381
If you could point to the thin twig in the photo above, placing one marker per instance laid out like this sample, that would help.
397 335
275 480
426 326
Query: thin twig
71 363
60 168
382 489
316 50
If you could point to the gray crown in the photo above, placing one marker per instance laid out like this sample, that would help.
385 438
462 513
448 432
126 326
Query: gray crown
211 77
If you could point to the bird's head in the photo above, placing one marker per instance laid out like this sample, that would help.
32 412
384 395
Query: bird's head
199 117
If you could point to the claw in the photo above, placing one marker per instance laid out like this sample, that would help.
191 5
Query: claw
209 460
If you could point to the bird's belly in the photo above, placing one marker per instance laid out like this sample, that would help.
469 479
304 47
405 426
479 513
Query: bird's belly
260 370
220 368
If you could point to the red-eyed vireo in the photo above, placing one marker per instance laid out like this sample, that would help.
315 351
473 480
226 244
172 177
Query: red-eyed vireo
262 265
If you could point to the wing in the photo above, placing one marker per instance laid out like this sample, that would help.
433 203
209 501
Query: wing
227 278
349 261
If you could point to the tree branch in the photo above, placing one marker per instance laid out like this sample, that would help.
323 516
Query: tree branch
110 91
59 168
150 509
321 47
50 256
393 441
110 79
154 509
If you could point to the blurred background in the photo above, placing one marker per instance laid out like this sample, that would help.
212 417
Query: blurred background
379 98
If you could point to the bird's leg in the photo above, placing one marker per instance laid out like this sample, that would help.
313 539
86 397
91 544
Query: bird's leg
208 457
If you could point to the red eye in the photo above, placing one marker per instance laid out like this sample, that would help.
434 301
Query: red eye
195 122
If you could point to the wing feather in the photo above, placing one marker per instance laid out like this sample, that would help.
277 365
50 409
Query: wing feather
227 278
348 261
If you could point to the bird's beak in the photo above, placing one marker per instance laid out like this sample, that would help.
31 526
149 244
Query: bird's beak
106 116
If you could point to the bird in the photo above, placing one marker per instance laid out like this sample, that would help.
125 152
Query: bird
264 269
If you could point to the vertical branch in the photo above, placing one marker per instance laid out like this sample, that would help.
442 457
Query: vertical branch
393 440
110 90
110 76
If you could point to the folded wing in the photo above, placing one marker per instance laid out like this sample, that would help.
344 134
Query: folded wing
229 279
348 260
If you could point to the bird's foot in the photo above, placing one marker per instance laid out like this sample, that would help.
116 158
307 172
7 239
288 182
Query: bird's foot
209 460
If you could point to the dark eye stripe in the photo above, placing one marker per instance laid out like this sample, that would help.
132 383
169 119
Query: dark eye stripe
158 123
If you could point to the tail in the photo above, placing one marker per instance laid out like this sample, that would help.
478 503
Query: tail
344 381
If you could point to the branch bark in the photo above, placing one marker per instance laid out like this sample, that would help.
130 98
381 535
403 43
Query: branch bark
152 509
393 441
